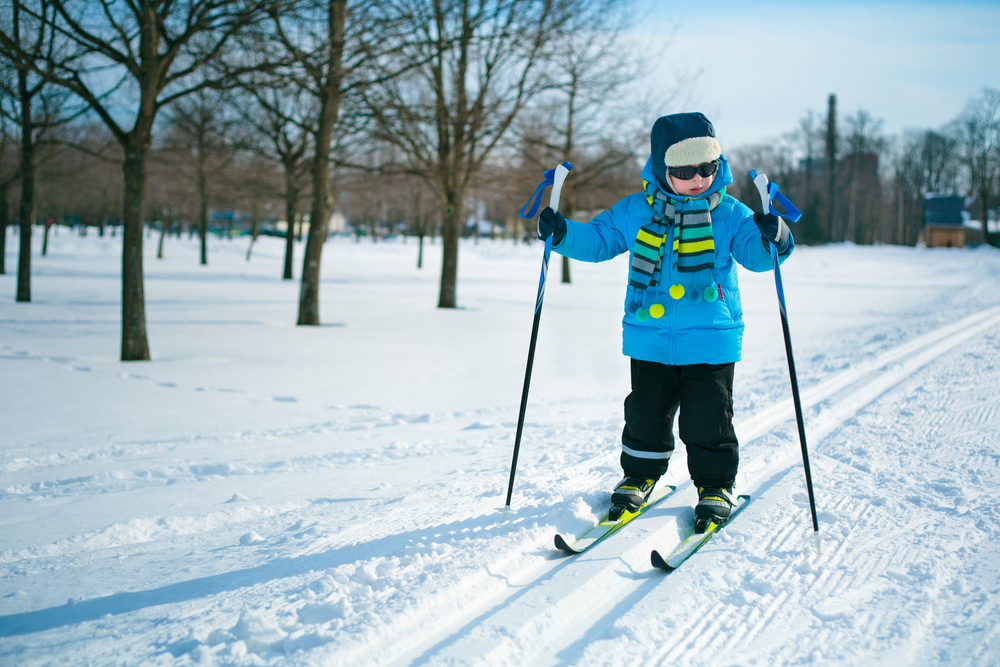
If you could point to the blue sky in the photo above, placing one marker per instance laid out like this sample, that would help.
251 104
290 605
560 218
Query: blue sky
765 65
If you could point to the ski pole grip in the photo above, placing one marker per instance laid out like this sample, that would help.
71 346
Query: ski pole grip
760 180
557 182
768 192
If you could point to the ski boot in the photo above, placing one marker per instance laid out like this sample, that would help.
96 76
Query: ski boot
630 494
714 506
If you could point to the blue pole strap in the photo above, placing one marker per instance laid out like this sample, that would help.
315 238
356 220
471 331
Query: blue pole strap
774 195
535 200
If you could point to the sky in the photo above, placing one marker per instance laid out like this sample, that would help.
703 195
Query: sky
763 66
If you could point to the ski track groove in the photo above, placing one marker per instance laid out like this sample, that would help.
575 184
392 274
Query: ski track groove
862 385
837 399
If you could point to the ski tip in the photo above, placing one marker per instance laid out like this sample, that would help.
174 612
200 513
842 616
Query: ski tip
563 545
658 562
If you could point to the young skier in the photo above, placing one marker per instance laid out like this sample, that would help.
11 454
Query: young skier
683 324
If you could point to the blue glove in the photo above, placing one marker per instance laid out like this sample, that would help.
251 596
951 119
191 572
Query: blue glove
773 230
551 222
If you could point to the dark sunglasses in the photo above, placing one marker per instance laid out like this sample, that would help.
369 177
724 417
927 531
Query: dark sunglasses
687 173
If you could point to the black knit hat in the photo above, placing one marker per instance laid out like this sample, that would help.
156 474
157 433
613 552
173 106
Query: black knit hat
682 139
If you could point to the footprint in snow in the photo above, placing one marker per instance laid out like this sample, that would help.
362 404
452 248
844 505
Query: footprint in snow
479 425
284 399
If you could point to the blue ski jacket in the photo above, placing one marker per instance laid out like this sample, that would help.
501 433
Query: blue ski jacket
689 330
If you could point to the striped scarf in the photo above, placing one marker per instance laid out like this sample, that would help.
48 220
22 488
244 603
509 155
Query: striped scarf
694 243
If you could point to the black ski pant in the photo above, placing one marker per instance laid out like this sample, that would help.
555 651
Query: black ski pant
703 393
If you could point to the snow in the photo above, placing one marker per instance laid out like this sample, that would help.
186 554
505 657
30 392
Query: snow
266 494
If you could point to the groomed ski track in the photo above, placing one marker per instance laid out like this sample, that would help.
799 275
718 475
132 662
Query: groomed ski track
243 503
549 612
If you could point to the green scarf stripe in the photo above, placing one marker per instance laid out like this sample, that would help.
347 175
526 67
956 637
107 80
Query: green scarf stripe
644 251
696 234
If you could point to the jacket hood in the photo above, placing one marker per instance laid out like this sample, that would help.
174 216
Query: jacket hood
682 139
723 177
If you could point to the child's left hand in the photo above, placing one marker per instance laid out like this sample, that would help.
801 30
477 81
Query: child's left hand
773 229
551 222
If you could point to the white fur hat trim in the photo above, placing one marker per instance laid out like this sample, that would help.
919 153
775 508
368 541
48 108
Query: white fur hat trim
696 150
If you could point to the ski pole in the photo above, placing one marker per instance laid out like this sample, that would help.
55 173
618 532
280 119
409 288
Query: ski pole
555 178
768 192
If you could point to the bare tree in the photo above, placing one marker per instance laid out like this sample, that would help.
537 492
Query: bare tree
321 59
806 182
480 63
978 131
865 145
197 135
585 115
279 126
126 61
925 162
337 49
807 138
34 106
9 174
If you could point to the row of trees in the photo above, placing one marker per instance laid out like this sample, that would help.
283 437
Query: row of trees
403 90
138 110
855 183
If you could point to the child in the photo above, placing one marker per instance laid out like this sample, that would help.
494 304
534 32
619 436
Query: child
683 325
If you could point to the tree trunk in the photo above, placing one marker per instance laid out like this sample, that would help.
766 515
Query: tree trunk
320 212
4 221
135 346
984 211
291 201
203 206
26 209
322 200
164 228
568 206
254 226
450 234
45 238
26 216
420 251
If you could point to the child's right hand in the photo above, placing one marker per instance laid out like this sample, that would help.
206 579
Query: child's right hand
551 222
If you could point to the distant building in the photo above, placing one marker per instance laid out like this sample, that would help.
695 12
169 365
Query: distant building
944 220
336 225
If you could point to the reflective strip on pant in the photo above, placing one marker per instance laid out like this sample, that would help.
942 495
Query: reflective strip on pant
646 455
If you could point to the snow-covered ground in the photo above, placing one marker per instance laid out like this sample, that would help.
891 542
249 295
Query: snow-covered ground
262 493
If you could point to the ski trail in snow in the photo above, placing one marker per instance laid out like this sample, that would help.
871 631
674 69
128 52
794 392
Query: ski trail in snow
546 617
528 605
890 574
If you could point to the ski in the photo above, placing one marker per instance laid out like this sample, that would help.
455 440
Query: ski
694 541
607 527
